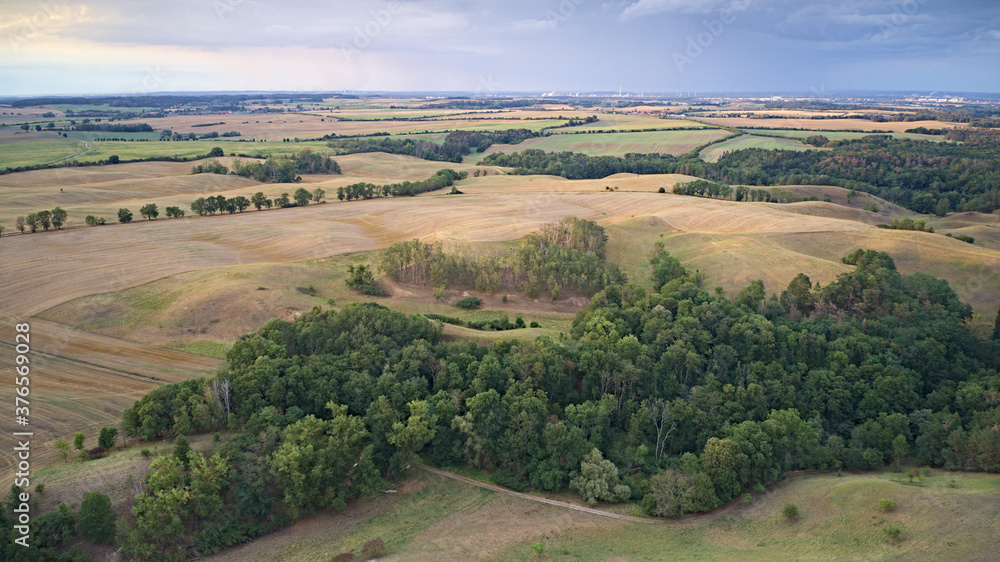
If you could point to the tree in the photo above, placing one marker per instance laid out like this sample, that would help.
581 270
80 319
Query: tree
302 197
32 221
182 448
124 215
321 463
943 206
91 220
150 211
44 219
409 438
78 440
318 194
174 212
58 217
19 224
900 449
258 199
598 479
240 202
96 520
107 437
62 448
200 206
996 326
216 152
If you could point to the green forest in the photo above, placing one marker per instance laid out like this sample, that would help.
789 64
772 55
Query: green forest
563 256
918 175
455 145
675 398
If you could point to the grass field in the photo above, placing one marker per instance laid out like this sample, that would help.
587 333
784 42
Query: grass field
43 148
828 124
81 381
715 151
620 144
433 518
618 122
844 135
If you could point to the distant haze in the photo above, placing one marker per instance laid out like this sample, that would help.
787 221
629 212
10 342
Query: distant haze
652 46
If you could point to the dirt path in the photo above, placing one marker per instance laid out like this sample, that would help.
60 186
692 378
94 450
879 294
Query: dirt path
556 503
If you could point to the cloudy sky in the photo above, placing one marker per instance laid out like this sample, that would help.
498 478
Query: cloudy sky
670 46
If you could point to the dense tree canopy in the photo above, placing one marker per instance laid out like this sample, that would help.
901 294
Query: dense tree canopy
676 398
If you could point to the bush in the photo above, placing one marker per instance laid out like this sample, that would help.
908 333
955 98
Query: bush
886 504
145 453
469 303
790 511
661 190
361 279
894 532
747 498
534 324
373 549
97 451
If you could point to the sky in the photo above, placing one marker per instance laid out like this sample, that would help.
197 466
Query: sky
491 47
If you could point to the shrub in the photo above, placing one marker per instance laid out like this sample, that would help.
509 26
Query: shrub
747 498
534 324
759 488
790 511
539 547
310 290
886 504
145 453
469 303
361 279
97 451
661 190
40 487
894 532
373 548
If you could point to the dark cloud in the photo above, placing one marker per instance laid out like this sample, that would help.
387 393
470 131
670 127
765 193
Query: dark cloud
524 45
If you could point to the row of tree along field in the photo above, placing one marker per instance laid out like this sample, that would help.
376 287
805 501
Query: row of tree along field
923 176
221 204
677 399
563 256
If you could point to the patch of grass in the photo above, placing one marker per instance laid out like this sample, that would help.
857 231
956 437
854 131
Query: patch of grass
207 348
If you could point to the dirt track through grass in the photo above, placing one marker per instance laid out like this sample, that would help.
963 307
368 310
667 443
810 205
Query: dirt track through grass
530 497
